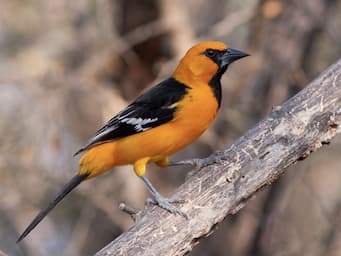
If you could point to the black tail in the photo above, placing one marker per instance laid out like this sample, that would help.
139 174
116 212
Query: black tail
76 180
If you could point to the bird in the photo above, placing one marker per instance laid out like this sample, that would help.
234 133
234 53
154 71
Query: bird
160 122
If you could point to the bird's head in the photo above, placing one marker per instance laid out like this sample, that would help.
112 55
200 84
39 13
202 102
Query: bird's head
204 60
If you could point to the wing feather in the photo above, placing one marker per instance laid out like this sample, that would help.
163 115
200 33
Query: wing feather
154 108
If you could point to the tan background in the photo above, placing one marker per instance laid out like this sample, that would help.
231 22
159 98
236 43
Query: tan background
67 66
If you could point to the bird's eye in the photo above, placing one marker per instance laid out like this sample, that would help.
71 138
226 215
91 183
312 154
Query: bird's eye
211 53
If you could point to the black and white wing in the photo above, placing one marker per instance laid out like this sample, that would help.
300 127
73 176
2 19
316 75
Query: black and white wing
154 108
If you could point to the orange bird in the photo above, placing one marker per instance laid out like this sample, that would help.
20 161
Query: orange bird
157 124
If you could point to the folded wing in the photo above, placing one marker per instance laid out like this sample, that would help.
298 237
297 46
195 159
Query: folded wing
154 108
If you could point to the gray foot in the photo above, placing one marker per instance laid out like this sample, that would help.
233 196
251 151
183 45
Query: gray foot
167 204
197 163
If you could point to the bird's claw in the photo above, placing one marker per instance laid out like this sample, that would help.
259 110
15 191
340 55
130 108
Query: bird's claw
167 204
197 163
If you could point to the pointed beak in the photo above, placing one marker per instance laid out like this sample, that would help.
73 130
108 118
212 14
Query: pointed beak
231 55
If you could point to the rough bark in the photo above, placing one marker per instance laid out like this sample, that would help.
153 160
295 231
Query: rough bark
288 134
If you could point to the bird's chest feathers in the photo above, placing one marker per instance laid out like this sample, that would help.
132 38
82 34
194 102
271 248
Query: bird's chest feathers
198 109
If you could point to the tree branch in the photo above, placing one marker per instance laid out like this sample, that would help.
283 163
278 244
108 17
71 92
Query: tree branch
288 134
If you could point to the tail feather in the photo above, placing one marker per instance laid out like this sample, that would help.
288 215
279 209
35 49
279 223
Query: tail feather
74 182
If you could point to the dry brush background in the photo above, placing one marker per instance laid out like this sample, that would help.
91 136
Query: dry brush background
67 66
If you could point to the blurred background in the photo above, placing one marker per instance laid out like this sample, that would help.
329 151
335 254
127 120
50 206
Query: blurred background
66 67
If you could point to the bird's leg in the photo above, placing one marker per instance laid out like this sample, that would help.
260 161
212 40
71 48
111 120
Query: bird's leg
197 163
158 199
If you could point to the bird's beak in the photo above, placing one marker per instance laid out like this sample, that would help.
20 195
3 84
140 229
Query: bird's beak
231 55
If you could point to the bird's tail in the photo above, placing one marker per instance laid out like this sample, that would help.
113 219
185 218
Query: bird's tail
74 182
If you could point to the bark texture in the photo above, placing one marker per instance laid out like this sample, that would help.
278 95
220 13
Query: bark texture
286 135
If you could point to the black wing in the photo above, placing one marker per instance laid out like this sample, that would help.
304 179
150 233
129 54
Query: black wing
155 107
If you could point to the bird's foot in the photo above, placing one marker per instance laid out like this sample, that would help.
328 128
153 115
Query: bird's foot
167 204
197 163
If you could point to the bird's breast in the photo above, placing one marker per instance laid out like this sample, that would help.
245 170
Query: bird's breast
198 109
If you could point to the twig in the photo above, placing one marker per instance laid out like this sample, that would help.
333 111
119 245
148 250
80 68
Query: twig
133 212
